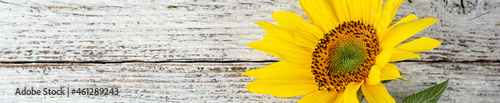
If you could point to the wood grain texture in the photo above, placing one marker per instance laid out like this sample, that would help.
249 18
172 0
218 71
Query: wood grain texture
207 30
195 51
221 82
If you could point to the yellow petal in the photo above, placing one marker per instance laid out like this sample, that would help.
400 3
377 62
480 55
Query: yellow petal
350 94
406 19
366 15
286 51
275 32
405 31
374 76
339 98
357 7
319 96
377 94
375 10
298 37
320 14
305 40
294 22
372 6
398 55
388 12
382 59
419 45
289 87
389 72
281 69
341 9
362 9
304 44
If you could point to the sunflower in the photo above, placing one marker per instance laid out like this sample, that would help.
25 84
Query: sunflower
347 47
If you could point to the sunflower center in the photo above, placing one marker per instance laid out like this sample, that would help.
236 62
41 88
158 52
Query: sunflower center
344 55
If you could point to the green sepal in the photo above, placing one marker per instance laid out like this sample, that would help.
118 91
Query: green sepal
360 95
394 21
386 81
404 80
401 73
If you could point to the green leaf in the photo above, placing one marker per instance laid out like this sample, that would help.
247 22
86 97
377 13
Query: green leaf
429 95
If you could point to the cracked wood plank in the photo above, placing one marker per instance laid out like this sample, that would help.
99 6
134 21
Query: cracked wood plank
221 82
207 30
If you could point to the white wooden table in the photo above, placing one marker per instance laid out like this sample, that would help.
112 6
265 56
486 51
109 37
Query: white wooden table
194 51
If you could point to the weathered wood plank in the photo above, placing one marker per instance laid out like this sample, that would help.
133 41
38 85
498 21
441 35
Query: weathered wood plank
221 82
207 30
